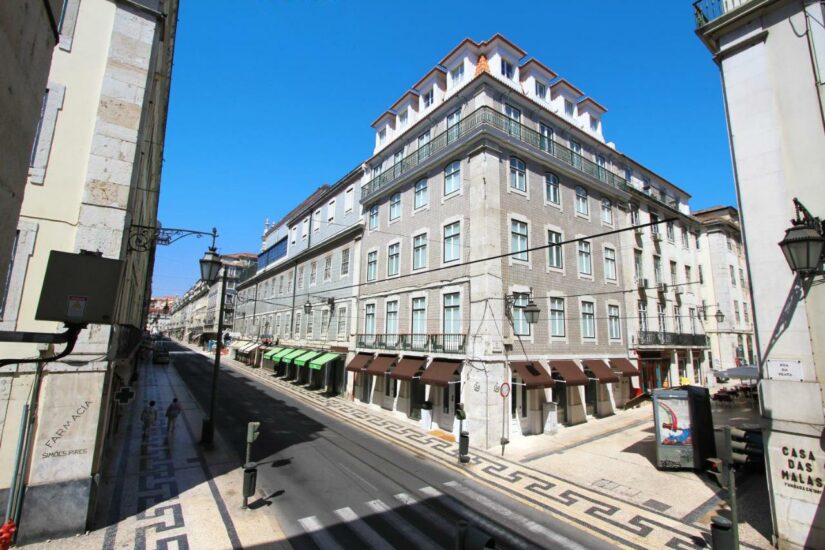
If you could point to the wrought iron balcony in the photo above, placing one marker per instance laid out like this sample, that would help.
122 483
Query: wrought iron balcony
487 116
650 338
706 11
430 343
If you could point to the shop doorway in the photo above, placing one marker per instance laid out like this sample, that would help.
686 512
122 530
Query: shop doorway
560 399
366 387
417 393
591 393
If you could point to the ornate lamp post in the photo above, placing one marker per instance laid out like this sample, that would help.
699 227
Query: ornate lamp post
804 242
210 267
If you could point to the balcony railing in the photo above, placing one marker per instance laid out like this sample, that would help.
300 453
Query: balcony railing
649 338
490 117
706 11
431 343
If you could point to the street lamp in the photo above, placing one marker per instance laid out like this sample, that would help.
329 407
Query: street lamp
531 311
703 312
804 242
210 267
307 307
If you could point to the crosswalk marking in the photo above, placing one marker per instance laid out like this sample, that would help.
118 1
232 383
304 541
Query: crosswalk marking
423 510
318 533
403 525
363 530
480 521
559 541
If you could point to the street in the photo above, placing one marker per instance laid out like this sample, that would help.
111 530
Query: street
333 486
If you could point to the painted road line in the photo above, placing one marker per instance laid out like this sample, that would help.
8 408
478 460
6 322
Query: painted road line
318 533
363 530
557 540
424 510
401 524
501 536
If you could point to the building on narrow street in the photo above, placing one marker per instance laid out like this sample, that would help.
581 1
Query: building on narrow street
771 54
96 174
725 288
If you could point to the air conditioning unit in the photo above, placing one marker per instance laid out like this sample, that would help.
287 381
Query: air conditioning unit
662 287
639 230
657 237
641 283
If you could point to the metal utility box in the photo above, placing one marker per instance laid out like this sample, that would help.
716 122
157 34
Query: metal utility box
79 289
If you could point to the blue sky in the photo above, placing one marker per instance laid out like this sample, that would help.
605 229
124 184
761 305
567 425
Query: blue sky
272 98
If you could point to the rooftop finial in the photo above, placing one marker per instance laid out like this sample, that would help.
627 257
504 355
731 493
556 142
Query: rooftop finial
482 66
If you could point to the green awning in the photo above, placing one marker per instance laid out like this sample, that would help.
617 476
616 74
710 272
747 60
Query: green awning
319 362
287 359
270 353
302 360
281 354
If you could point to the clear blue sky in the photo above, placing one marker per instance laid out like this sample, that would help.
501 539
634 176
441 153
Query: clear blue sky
272 98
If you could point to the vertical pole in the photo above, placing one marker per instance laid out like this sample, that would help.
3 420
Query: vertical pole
208 433
16 472
734 509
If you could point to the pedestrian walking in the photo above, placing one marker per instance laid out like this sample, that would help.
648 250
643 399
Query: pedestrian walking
149 416
172 412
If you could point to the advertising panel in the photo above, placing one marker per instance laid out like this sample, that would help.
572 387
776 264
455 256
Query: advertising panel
674 433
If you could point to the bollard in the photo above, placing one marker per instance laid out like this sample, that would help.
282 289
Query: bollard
250 479
721 533
464 447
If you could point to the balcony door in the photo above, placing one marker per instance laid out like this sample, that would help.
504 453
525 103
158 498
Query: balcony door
513 120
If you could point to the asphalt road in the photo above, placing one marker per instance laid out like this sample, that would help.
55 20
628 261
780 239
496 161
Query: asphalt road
333 486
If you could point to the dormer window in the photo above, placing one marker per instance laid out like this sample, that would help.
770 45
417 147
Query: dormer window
428 98
568 107
382 135
507 70
541 90
594 124
457 75
402 118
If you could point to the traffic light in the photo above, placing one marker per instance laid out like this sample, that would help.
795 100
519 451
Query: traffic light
721 471
745 446
253 430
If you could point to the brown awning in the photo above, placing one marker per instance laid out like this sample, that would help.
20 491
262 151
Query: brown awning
569 371
533 374
359 362
601 370
381 364
407 368
624 366
440 371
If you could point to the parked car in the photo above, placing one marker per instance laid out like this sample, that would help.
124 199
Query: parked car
160 355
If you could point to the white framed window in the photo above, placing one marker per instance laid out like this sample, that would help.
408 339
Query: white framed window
393 259
551 188
657 270
557 325
513 119
342 322
403 118
327 268
293 234
582 206
671 232
642 316
419 320
382 136
507 70
677 319
310 325
324 324
421 198
420 251
452 242
569 109
453 129
634 215
300 283
541 90
457 75
594 124
613 322
609 264
297 331
345 262
585 264
607 211
576 156
518 174
546 138
520 325
654 220
736 310
732 276
452 178
518 240
313 273
424 145
316 220
349 199
305 228
429 97
555 257
660 310
372 265
373 217
331 211
391 322
588 320
451 316
685 237
395 206
673 270
369 319
600 162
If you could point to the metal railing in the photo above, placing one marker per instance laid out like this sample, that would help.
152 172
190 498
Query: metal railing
650 338
706 11
432 343
490 117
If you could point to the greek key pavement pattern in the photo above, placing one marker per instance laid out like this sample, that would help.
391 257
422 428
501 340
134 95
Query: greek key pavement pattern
613 519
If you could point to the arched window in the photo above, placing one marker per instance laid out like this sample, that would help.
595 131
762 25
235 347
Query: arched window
518 174
581 201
